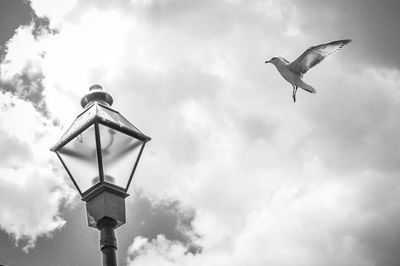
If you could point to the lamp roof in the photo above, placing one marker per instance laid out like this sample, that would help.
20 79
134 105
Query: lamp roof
98 112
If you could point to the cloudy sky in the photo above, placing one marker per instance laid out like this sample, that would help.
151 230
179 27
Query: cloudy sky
236 173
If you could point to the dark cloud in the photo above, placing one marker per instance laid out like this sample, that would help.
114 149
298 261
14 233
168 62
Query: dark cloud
13 13
17 151
41 26
351 127
371 24
165 217
28 86
354 127
256 127
378 231
146 217
168 92
211 20
354 133
189 16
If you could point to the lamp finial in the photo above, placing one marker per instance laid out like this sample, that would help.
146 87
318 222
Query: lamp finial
97 94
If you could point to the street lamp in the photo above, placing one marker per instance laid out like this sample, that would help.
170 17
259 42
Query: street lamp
100 152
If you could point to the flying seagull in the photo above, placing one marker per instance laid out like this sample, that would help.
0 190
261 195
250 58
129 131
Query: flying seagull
293 72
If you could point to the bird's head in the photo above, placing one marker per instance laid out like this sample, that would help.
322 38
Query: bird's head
278 61
273 60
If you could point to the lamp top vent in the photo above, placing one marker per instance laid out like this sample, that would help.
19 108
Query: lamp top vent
96 94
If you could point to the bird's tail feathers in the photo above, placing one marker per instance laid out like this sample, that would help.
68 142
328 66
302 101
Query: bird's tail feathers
308 88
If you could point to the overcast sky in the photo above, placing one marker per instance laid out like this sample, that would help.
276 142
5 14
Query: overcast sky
236 173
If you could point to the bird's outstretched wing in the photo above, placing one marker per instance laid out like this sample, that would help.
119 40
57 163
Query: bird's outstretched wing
314 55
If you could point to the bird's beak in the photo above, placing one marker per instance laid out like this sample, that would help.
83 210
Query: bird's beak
269 61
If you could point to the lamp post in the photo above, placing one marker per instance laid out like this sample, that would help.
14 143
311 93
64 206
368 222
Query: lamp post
100 152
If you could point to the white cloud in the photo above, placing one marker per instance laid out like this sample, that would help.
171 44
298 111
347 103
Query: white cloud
55 11
22 50
272 182
158 251
31 188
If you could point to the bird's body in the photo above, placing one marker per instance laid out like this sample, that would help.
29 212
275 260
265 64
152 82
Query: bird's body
291 76
293 71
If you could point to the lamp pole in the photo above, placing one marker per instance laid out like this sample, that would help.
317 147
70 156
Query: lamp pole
100 152
108 241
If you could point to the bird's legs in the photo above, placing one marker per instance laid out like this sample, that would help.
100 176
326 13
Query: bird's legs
294 93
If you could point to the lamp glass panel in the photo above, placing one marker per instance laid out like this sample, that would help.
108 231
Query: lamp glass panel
119 152
80 157
116 118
